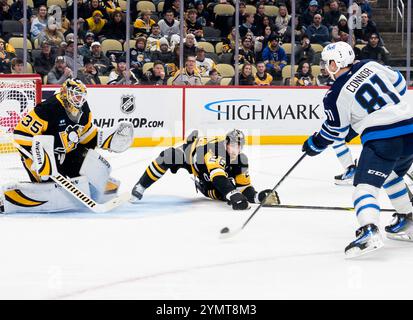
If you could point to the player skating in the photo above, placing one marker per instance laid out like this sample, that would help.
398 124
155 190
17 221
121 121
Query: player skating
218 164
59 137
369 97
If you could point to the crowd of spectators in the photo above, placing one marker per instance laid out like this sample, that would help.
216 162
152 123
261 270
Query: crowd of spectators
264 47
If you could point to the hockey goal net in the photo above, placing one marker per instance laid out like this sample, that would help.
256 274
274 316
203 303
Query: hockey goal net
18 95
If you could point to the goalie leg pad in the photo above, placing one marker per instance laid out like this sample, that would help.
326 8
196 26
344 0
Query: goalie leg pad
44 197
97 169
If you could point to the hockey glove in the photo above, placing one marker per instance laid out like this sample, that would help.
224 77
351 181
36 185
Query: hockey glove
310 147
237 200
272 197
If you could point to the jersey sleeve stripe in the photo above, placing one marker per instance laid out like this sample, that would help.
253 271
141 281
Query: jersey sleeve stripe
217 172
330 137
403 91
399 79
329 131
339 145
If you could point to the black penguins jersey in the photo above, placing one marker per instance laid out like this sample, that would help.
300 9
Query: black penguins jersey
50 118
210 162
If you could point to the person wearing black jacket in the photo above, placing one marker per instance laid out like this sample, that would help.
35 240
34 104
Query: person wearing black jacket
245 78
45 62
373 51
115 28
156 75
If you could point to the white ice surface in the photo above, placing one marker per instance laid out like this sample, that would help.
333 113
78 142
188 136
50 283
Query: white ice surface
168 246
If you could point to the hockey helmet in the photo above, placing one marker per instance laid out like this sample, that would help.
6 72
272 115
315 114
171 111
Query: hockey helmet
73 92
235 136
339 52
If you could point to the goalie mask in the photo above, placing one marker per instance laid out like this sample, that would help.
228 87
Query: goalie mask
235 141
73 93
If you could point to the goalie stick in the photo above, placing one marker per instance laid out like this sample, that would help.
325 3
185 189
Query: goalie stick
227 233
80 195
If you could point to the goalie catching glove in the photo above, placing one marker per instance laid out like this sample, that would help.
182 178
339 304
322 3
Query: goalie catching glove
116 139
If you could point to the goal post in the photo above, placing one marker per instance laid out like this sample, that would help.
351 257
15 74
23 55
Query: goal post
19 93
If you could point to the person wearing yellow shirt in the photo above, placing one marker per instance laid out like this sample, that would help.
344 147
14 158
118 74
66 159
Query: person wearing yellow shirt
96 22
262 77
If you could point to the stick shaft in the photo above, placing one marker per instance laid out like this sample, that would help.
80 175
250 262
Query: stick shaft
293 206
273 189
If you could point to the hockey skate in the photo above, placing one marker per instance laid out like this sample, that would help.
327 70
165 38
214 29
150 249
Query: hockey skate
347 177
137 193
401 228
368 239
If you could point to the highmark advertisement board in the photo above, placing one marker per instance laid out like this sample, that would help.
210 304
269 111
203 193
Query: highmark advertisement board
265 114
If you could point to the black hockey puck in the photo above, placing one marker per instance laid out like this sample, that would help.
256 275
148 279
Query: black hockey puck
225 230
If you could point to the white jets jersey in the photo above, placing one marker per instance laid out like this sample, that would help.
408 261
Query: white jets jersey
369 99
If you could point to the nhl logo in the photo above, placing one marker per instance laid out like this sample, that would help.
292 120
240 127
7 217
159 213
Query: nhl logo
127 103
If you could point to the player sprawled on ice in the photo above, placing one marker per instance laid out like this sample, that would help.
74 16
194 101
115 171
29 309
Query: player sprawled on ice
218 164
369 97
62 126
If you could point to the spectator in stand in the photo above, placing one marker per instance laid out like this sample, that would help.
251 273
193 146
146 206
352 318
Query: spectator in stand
305 52
299 30
266 21
248 26
153 41
39 23
16 11
245 52
169 25
368 27
332 17
259 17
373 51
304 77
204 17
115 28
262 77
189 46
51 34
312 10
96 23
193 25
82 11
317 32
171 5
281 20
342 24
324 79
245 77
156 75
70 59
242 12
274 58
4 11
5 58
45 62
203 64
138 55
88 74
215 78
86 49
229 42
17 66
111 6
92 6
164 54
143 25
101 63
118 75
261 42
65 23
190 75
60 72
